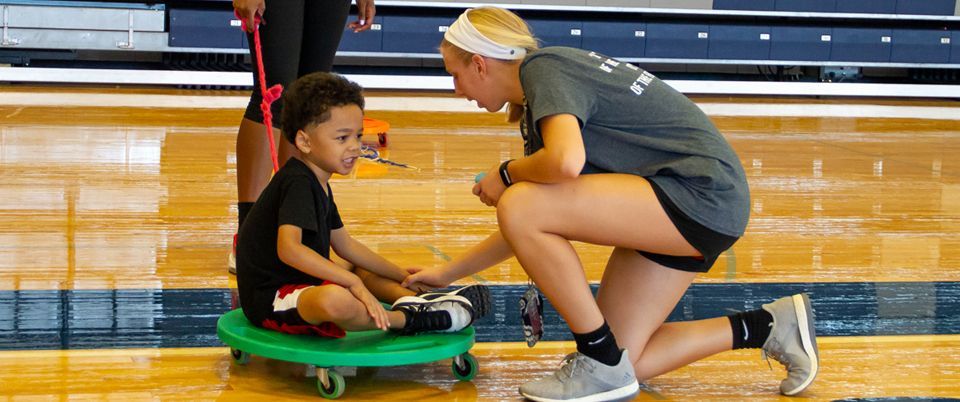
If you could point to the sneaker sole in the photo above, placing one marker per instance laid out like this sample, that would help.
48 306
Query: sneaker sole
801 304
479 297
620 394
232 264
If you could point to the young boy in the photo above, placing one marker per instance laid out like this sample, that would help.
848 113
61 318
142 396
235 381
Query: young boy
286 279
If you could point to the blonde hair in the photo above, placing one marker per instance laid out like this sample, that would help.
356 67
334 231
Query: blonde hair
504 27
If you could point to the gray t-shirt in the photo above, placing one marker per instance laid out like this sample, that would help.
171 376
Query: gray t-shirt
632 122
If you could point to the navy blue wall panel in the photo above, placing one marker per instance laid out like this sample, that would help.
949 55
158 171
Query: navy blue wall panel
754 5
366 41
955 47
414 34
861 44
739 42
920 46
867 6
204 28
800 43
615 39
926 7
821 6
557 32
677 41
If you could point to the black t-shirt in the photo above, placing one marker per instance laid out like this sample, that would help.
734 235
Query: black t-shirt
293 197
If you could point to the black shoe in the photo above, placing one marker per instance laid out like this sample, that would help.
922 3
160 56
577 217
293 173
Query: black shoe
477 295
447 313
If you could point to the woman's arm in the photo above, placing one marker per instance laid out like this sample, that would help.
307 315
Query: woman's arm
489 252
562 156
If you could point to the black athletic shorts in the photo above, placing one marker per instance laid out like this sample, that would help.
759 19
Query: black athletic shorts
708 242
298 37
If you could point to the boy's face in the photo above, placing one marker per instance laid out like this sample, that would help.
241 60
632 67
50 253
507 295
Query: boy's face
334 145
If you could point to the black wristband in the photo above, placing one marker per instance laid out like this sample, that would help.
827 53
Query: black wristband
504 174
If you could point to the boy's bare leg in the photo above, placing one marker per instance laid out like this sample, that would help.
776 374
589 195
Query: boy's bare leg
332 303
385 289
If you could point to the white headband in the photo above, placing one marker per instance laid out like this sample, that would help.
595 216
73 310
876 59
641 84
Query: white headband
464 35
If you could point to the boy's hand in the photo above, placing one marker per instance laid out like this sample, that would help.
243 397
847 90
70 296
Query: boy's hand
425 277
373 306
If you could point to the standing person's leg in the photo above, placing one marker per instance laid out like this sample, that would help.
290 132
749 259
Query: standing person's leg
323 23
280 38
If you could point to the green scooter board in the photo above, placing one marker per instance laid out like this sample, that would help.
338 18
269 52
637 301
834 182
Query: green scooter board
358 349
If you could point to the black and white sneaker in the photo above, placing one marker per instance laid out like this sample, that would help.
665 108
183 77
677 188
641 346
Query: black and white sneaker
478 296
447 313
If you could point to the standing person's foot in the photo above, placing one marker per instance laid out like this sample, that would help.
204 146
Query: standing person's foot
447 313
793 342
232 258
478 295
582 378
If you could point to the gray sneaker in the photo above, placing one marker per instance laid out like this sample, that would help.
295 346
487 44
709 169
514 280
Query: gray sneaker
581 378
793 342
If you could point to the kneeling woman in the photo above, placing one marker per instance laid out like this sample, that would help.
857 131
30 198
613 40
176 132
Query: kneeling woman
616 157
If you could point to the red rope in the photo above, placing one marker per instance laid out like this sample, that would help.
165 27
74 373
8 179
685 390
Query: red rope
268 95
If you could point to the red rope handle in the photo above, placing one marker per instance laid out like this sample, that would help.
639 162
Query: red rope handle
268 95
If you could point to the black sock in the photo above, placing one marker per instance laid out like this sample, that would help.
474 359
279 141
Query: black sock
750 328
407 317
243 208
599 345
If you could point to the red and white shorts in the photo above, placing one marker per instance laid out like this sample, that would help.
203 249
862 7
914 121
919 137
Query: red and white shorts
283 316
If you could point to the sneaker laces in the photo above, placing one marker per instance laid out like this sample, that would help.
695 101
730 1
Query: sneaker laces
767 354
422 318
570 364
766 358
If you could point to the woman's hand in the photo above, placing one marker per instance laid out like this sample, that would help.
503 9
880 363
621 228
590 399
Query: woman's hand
490 187
373 306
247 10
425 278
365 13
418 287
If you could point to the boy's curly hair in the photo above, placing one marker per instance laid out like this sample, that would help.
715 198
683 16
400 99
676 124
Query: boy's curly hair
309 100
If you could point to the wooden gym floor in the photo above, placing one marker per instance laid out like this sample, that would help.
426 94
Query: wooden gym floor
116 215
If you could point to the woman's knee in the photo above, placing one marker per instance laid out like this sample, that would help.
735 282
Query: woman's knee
518 207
